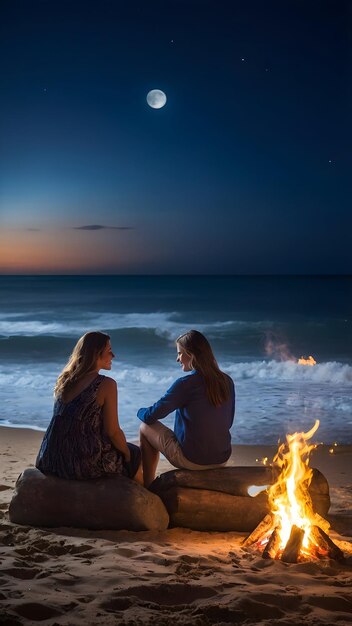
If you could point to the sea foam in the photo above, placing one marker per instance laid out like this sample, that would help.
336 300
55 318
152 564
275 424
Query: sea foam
333 372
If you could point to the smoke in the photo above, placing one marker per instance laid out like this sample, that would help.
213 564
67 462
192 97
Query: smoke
276 348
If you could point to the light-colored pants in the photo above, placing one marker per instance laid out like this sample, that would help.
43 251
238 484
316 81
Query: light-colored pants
164 439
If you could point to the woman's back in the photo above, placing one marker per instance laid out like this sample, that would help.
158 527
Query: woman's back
80 386
75 445
202 429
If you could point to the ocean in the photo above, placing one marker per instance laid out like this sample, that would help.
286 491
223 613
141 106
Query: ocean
258 328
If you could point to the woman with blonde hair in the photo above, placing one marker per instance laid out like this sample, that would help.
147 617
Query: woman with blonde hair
205 406
84 439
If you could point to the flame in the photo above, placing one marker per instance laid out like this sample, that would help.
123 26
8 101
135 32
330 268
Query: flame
289 497
309 361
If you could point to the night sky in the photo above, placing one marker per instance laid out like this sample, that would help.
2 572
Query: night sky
246 170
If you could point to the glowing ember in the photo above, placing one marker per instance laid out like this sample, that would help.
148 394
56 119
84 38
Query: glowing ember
309 361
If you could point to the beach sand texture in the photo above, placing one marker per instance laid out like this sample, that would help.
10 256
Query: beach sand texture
70 576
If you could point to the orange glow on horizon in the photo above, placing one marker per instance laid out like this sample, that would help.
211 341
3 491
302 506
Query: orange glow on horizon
62 251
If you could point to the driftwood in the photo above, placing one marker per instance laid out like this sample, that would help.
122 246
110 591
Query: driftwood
111 503
272 546
200 509
235 481
323 541
293 546
218 499
232 480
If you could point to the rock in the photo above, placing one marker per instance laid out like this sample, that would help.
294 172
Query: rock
218 499
110 503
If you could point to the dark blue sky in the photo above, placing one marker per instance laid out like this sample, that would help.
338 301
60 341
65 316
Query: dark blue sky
246 169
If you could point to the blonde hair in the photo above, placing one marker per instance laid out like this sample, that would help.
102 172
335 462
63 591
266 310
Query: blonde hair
203 360
82 360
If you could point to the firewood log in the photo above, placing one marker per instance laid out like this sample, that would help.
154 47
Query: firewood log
272 546
319 484
319 493
323 541
321 522
262 529
293 546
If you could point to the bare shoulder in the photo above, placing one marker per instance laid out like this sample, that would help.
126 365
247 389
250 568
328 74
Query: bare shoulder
107 388
109 384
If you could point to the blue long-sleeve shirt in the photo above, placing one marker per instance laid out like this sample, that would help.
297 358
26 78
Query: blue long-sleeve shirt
202 430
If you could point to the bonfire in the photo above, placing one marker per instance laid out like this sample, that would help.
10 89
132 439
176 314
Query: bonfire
292 531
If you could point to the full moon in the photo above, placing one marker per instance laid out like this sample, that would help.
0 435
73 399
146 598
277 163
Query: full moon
156 99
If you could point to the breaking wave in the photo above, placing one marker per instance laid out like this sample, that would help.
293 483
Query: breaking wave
166 325
272 397
333 372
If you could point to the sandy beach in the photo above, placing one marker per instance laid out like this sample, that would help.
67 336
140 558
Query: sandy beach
72 576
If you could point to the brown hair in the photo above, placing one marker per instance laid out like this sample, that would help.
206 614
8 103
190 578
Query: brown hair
82 360
203 360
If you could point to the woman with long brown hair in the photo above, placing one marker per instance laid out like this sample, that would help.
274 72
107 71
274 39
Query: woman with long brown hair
205 406
84 438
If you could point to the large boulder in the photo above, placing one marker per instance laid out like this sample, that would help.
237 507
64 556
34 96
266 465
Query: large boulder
110 503
218 499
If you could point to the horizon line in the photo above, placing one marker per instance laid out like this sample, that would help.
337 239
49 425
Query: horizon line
170 275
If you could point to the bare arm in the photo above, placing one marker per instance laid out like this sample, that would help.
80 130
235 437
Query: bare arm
111 420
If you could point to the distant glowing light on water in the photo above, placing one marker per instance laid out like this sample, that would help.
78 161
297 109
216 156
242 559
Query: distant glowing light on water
309 361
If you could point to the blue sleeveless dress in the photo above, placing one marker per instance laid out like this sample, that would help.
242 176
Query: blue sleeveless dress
75 445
